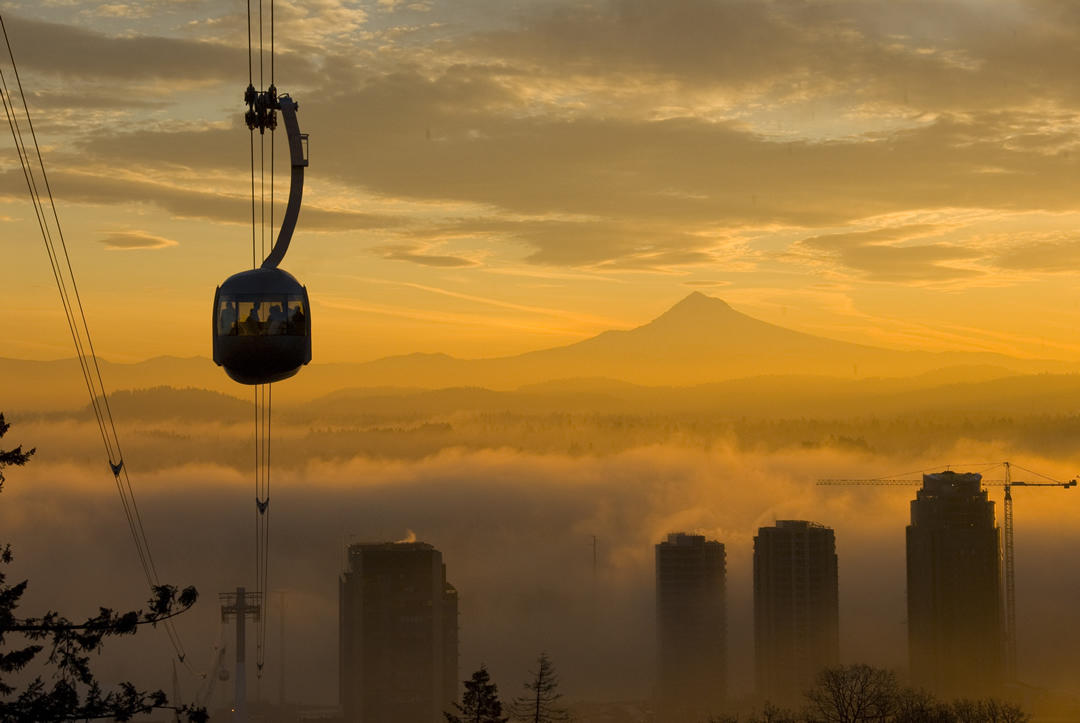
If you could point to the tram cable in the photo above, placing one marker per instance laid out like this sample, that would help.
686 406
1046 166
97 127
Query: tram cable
75 316
264 619
263 395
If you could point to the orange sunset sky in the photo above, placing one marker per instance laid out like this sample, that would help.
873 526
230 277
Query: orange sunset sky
493 176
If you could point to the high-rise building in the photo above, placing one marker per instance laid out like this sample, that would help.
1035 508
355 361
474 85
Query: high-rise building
691 627
398 650
955 624
796 607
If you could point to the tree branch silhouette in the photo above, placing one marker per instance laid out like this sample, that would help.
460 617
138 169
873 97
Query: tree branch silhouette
74 692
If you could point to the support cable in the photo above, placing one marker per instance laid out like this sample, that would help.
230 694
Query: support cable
254 255
262 195
260 658
262 106
1037 474
250 76
112 450
262 521
77 323
261 34
54 263
271 177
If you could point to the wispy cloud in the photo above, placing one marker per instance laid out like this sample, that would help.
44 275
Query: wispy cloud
135 241
464 320
419 255
888 254
1061 255
583 319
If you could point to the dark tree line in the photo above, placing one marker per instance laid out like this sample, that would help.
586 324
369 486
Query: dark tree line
844 694
864 694
71 690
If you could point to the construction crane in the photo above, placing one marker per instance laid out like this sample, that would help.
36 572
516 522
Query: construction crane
1008 556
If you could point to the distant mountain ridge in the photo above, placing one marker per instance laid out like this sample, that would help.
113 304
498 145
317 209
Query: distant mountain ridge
768 397
700 340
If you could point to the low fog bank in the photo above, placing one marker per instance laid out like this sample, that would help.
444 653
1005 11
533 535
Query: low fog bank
515 529
172 439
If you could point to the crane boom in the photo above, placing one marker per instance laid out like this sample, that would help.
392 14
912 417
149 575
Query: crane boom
879 481
887 482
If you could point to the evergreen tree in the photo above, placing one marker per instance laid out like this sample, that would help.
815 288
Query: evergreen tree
479 703
12 457
73 692
539 704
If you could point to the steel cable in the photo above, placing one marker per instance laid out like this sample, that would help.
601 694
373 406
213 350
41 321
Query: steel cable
85 352
262 393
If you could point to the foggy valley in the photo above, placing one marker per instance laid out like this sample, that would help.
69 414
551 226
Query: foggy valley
511 487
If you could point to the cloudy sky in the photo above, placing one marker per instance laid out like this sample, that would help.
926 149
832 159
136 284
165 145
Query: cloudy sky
494 176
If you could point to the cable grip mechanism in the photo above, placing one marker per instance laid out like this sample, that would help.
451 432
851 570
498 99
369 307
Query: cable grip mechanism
262 108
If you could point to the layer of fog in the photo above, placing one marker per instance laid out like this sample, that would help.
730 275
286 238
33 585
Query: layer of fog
516 533
183 438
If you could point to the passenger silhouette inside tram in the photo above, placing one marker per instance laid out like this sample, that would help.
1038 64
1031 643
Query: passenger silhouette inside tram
251 324
298 322
277 320
228 319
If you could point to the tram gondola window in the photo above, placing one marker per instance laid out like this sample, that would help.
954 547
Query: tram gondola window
266 316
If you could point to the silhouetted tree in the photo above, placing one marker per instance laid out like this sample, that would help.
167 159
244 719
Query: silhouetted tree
774 714
919 706
769 714
479 703
853 694
11 457
539 705
862 694
987 710
73 692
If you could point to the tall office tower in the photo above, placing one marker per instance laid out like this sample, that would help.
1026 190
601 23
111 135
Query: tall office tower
691 628
796 607
955 624
398 625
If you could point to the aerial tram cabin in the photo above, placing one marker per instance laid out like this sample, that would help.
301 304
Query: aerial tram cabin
262 329
262 317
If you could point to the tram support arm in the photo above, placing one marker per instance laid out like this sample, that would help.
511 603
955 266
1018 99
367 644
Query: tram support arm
298 157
